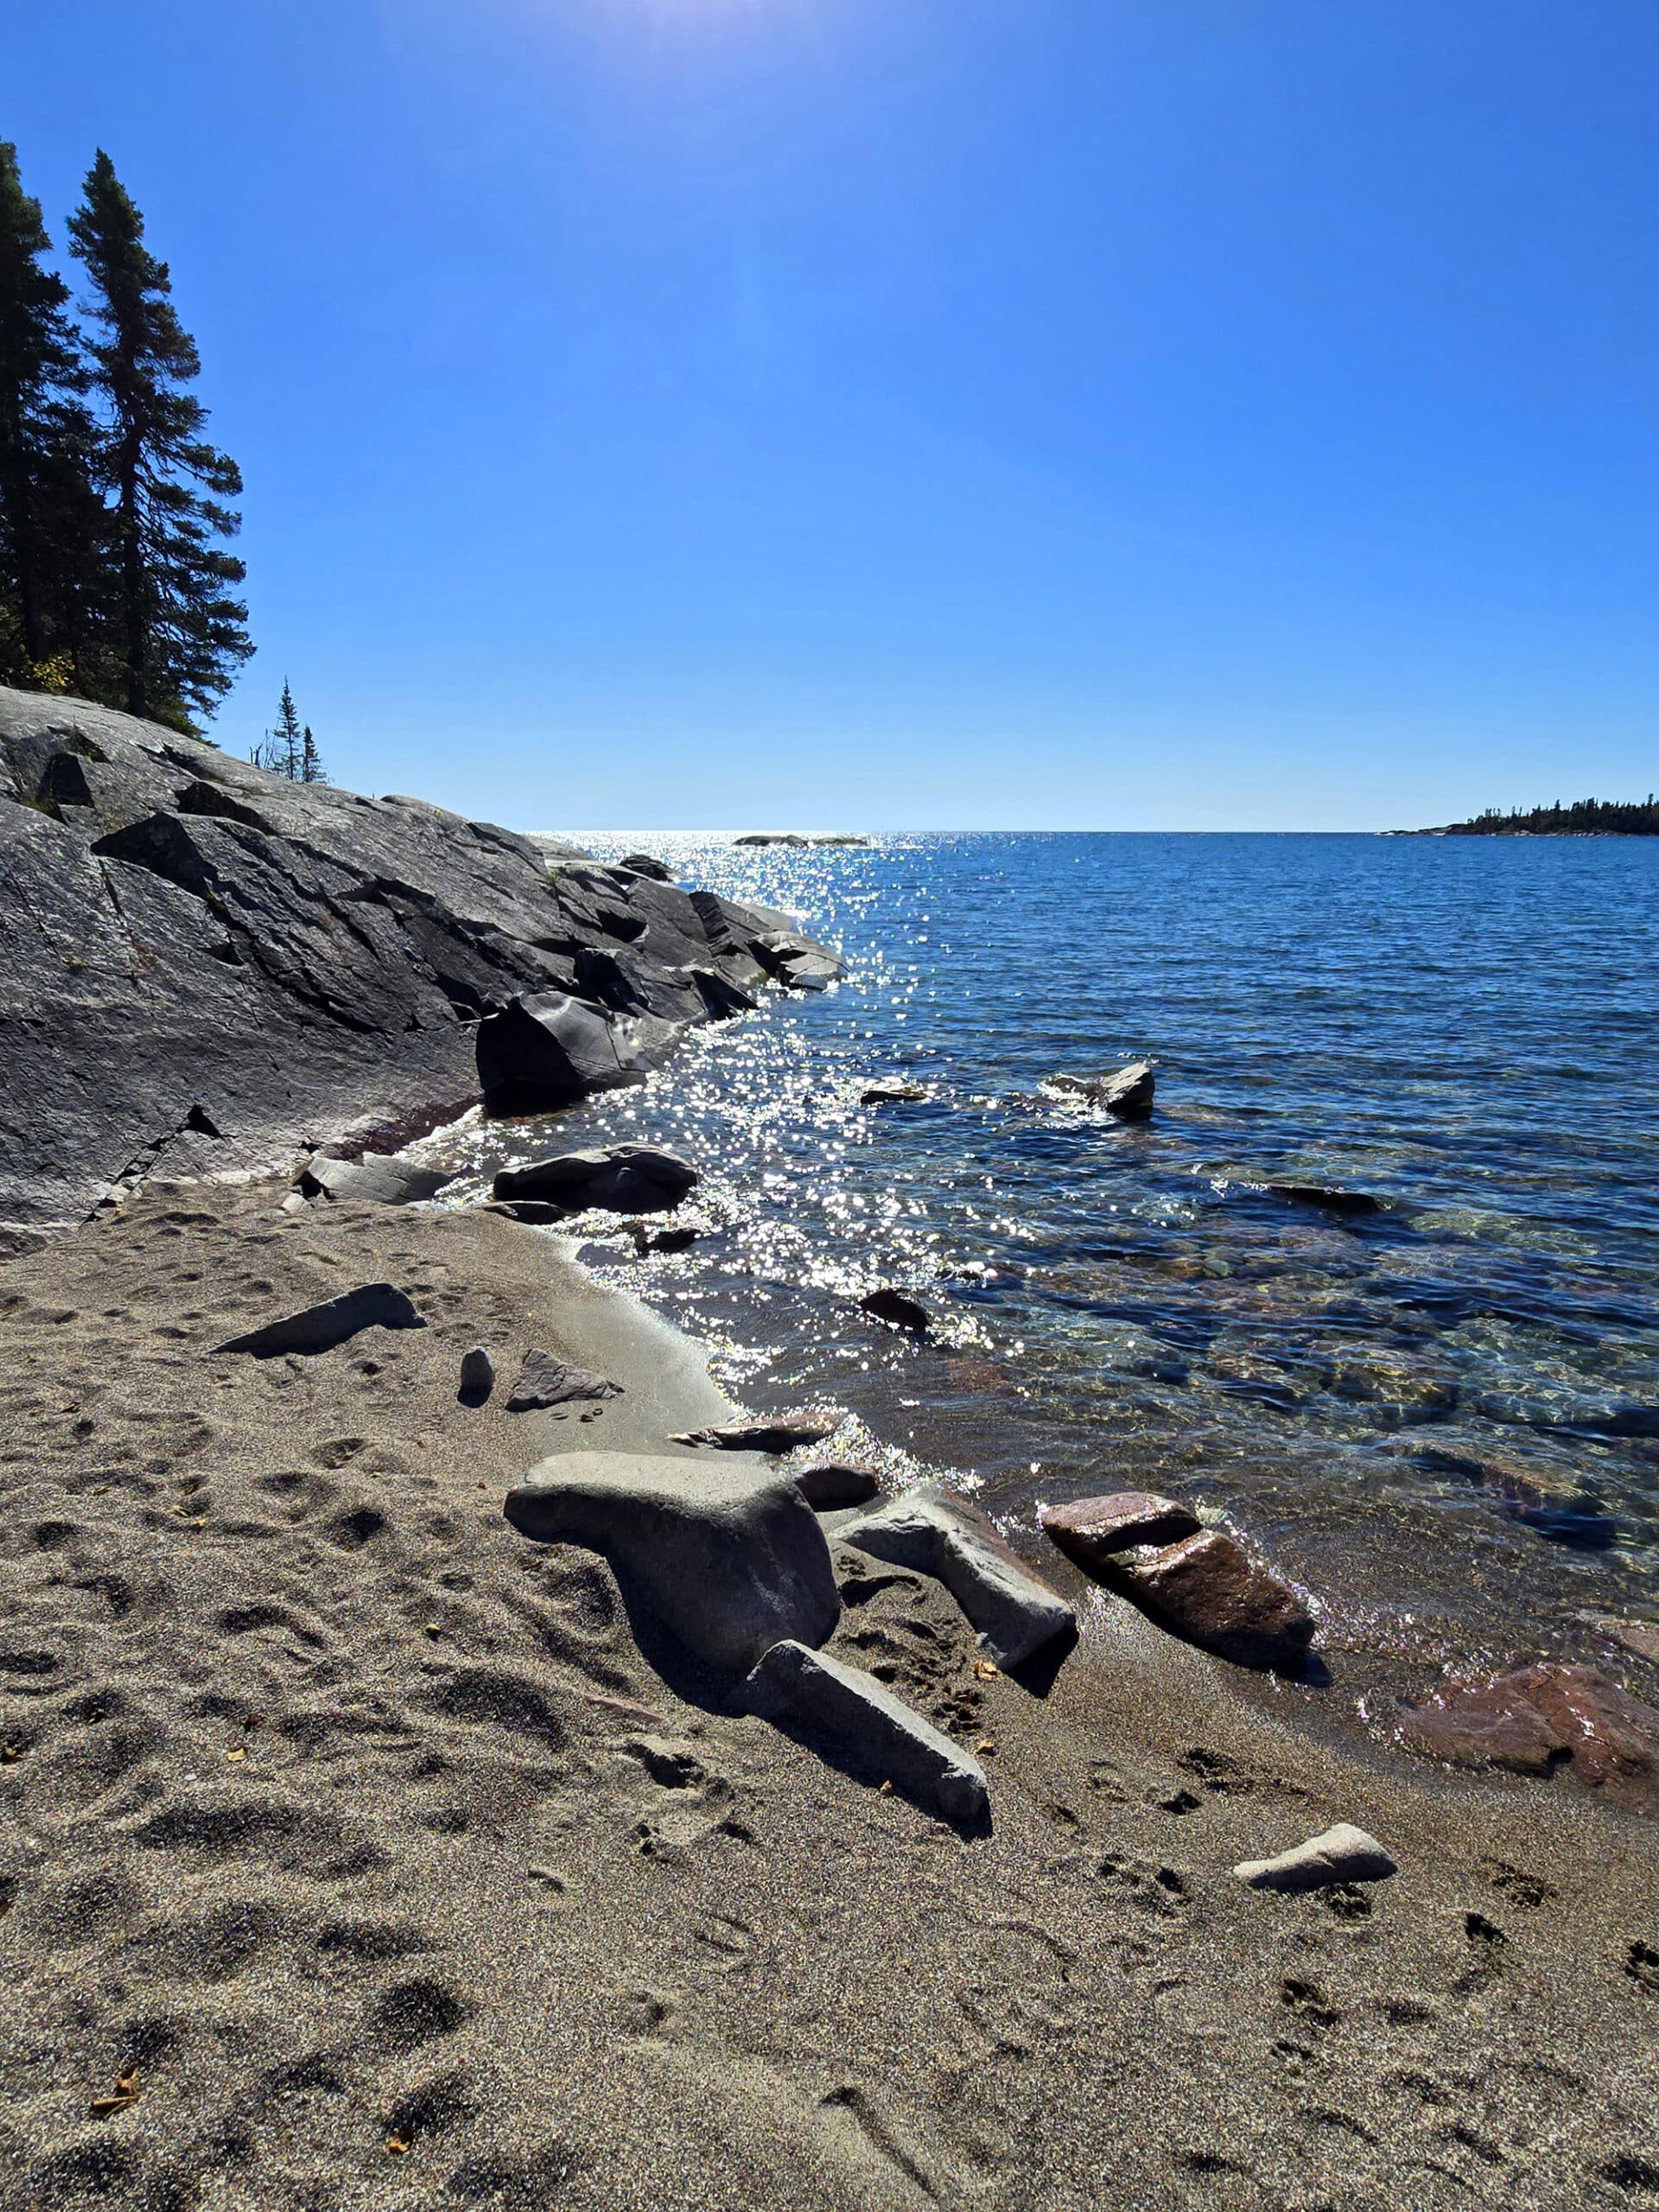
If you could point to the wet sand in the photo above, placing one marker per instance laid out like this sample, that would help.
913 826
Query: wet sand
362 1829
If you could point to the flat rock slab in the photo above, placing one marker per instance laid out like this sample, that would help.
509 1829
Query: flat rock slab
1093 1531
1344 1853
1127 1092
626 1178
784 1432
1208 1589
1014 1613
823 1697
319 1328
544 1380
1324 1196
730 1559
838 1484
376 1177
1536 1720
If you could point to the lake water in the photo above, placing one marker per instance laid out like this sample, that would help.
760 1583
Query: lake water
1442 1417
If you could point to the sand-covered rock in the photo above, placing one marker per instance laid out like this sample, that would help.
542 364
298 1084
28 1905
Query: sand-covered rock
334 1321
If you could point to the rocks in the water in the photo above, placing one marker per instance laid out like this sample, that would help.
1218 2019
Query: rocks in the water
319 1328
796 962
1344 1853
1536 1720
1326 1197
837 1484
873 1730
1640 1637
774 837
1208 1589
678 1239
1126 1092
1093 1531
898 1309
545 1049
377 1177
213 969
477 1377
535 1213
623 1178
1552 1499
841 840
1014 1613
894 1094
730 1559
645 864
778 1433
544 1381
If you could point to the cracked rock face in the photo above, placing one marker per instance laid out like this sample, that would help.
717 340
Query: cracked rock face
206 968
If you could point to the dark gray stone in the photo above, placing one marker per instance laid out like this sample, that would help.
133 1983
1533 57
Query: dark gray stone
1014 1612
319 1328
546 1381
837 1484
1126 1092
376 1178
663 1240
1328 1198
894 1094
624 1179
545 1050
477 1377
826 1699
645 864
898 1309
204 967
730 1559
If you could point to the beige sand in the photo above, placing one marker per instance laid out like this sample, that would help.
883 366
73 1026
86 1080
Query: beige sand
358 1826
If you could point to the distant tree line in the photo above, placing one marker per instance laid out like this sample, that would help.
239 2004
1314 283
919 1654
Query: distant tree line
114 580
1586 817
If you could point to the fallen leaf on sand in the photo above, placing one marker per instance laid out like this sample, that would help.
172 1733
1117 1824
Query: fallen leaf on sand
126 2088
984 1747
986 1671
398 2144
239 1752
10 1754
887 1790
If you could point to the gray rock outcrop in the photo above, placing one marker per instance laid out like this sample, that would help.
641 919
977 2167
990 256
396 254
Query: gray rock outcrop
204 967
1013 1612
826 1699
375 1178
730 1558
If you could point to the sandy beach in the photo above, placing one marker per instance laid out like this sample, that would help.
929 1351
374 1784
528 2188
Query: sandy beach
354 1854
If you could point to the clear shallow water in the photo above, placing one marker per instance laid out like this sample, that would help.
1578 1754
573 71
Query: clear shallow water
1466 1028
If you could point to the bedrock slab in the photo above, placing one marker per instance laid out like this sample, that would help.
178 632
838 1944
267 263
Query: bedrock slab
730 1559
319 1328
376 1178
1014 1613
827 1699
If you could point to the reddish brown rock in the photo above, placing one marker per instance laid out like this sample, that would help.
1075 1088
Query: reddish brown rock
1640 1637
1208 1589
1093 1530
1538 1718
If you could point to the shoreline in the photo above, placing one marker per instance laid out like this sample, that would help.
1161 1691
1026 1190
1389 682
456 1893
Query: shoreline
356 1819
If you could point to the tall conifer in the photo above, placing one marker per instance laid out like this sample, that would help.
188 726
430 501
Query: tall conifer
51 519
178 631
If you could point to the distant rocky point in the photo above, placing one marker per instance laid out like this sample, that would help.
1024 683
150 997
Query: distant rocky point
1586 817
206 968
793 838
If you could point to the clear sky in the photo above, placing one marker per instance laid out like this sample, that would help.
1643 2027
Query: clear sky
852 414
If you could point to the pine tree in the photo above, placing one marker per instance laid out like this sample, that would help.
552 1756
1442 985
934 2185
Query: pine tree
178 633
51 519
287 743
311 768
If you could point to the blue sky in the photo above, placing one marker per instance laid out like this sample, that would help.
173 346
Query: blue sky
915 413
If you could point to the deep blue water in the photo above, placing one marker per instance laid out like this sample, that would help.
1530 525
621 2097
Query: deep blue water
1466 1028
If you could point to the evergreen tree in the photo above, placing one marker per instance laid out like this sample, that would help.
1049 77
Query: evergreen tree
287 743
51 519
311 768
177 631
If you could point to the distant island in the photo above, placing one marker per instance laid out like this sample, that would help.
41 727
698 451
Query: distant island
1586 817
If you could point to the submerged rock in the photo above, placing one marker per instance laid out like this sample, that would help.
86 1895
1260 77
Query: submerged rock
624 1179
376 1177
1552 1499
1344 1853
1326 1197
544 1381
1208 1589
1093 1531
319 1328
898 1309
1534 1719
1127 1092
826 1699
729 1560
1014 1613
663 1240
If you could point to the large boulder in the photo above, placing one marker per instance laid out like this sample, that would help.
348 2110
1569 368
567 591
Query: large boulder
874 1732
544 1050
1016 1614
730 1559
624 1179
204 967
